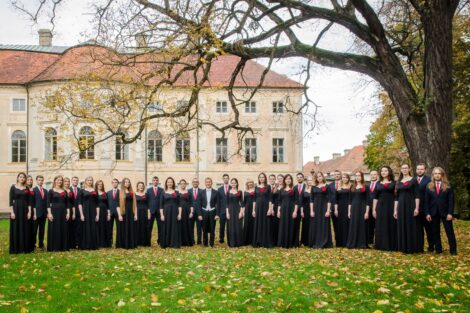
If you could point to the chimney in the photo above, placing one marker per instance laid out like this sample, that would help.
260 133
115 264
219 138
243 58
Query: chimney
316 160
336 155
45 37
364 143
346 151
141 40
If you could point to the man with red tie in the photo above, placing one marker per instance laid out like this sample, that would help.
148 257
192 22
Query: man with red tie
195 198
423 180
301 205
113 205
39 211
222 205
153 195
370 223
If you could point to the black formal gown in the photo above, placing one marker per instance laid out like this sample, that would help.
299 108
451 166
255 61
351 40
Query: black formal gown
319 235
342 221
235 223
126 234
142 227
57 236
248 220
171 227
89 202
306 198
358 235
262 228
103 224
31 220
71 223
409 234
187 236
385 223
286 222
20 232
275 195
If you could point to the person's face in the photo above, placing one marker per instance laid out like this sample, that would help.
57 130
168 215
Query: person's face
384 172
225 178
155 182
288 181
309 181
75 181
40 181
405 170
437 175
358 177
66 183
59 182
262 179
195 183
169 183
21 179
140 187
320 178
89 182
344 179
115 184
251 185
300 179
127 183
272 180
208 183
183 185
29 181
373 175
280 180
233 183
420 170
337 175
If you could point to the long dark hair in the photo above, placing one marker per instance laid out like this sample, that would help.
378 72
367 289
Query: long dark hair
25 177
362 180
400 177
391 176
265 178
291 181
166 183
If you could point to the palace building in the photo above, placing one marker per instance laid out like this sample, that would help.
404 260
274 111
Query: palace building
35 142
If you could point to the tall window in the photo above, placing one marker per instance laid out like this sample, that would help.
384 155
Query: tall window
221 107
87 143
122 149
18 146
154 146
183 148
278 150
250 150
221 150
278 107
50 144
18 105
250 107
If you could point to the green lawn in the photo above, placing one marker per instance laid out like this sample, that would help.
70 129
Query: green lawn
231 280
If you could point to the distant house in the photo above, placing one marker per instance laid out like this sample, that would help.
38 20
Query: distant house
351 162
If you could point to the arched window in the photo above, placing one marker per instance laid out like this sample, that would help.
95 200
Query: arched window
122 149
50 144
87 143
18 146
154 146
183 148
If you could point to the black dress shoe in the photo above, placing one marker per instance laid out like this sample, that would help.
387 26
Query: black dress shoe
438 251
221 241
453 252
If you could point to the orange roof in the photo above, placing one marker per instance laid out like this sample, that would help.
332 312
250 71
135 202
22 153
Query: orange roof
350 162
84 60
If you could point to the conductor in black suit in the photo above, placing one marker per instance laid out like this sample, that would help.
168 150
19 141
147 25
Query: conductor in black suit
195 197
153 195
423 181
208 213
113 205
223 200
39 211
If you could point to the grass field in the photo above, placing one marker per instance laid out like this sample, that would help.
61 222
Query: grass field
235 280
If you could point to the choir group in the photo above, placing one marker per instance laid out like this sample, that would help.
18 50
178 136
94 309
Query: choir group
390 214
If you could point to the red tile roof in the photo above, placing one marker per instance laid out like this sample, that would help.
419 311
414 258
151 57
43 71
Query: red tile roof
350 162
88 60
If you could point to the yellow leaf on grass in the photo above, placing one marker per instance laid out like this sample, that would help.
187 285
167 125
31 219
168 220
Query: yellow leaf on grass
419 305
154 297
181 301
383 302
383 290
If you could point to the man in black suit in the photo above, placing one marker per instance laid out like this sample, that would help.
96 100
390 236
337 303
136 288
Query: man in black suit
423 181
223 200
370 223
299 201
195 197
39 211
439 206
208 213
153 195
333 187
113 205
76 238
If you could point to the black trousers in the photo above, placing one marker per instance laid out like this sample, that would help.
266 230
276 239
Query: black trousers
436 233
426 228
155 217
110 230
208 227
223 221
197 222
370 229
39 226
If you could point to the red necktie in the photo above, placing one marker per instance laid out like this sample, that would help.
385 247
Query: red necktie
336 184
42 193
372 186
226 189
114 193
438 188
419 180
75 192
155 191
300 188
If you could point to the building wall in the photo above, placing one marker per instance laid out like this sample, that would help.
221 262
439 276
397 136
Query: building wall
266 124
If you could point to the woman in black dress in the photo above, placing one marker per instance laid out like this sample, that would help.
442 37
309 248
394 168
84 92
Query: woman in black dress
234 213
358 214
170 215
383 207
275 183
104 214
409 235
29 185
307 202
287 214
263 214
248 220
20 216
70 222
342 207
58 213
89 216
319 235
143 214
187 236
127 216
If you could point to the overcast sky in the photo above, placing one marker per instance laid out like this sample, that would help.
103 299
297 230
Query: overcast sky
341 95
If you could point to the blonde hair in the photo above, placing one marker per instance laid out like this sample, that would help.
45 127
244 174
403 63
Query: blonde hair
444 180
249 180
122 197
